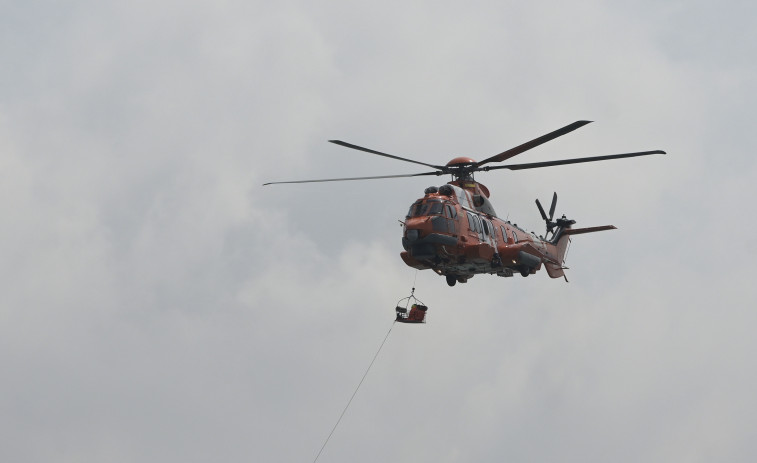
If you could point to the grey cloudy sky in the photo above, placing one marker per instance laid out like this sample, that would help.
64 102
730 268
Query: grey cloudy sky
158 304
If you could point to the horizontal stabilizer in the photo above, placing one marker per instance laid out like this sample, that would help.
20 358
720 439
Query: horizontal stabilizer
580 231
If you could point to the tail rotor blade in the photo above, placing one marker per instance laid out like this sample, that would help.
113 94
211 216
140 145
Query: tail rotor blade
541 210
552 207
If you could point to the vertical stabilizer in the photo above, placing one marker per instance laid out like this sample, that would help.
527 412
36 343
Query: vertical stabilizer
561 232
556 270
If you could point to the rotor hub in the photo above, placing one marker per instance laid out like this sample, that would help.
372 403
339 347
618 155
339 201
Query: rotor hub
461 162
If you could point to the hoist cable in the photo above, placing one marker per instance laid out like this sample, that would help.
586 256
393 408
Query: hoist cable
354 393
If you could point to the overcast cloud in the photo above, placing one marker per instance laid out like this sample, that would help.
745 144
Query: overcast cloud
159 305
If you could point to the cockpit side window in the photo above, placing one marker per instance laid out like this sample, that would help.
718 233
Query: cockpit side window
417 209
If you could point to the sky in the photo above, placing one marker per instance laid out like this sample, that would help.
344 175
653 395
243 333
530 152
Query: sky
159 304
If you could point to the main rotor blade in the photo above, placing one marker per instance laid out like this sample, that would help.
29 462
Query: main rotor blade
354 178
355 147
534 165
533 143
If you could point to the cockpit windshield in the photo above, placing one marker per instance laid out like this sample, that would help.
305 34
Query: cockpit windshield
430 207
434 207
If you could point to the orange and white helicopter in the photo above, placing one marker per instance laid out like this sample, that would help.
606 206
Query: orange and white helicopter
454 230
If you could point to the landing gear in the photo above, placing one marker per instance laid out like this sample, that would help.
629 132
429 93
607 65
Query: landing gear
525 272
451 280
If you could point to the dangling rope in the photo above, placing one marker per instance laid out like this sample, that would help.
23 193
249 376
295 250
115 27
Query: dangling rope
354 393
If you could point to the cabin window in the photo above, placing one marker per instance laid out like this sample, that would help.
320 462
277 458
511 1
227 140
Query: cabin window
504 233
485 224
515 237
472 222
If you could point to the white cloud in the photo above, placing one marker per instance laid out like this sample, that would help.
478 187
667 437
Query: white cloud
160 305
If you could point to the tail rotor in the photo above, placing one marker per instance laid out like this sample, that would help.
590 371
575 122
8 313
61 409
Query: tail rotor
550 224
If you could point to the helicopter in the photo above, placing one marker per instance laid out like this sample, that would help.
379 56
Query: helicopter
454 230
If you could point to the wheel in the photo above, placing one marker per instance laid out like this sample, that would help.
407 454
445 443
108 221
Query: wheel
451 280
525 272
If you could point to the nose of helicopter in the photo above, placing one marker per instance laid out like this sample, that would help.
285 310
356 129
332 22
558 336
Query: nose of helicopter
416 228
412 235
420 239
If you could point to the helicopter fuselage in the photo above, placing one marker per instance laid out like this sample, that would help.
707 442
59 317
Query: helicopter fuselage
454 231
